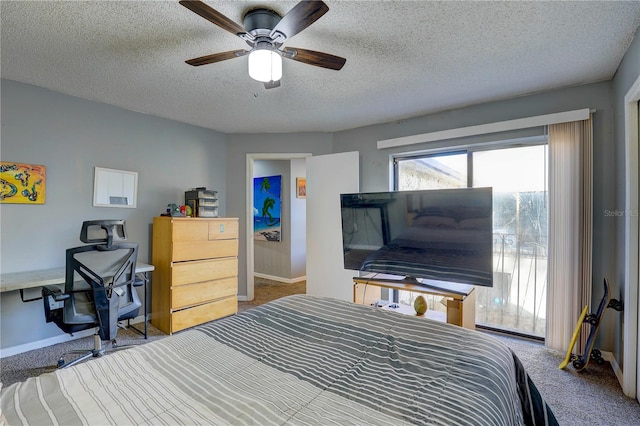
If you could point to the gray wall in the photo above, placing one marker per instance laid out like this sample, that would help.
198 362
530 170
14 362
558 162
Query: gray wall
71 136
626 75
242 144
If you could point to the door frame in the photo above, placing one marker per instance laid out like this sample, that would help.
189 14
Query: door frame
251 158
631 332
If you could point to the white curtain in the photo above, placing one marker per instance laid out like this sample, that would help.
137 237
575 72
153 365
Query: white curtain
570 231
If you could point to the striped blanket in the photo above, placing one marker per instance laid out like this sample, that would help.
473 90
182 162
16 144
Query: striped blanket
297 360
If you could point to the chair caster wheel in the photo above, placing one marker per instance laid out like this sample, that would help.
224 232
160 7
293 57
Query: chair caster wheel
60 363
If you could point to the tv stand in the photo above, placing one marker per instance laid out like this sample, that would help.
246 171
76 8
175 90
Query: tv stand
461 298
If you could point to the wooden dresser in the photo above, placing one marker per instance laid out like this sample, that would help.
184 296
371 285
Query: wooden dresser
196 275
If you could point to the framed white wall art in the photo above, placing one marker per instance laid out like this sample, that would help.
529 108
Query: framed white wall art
114 188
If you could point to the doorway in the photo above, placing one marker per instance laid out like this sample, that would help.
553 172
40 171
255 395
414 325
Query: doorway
250 167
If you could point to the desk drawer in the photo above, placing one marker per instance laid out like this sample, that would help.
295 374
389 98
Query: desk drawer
195 250
195 294
202 313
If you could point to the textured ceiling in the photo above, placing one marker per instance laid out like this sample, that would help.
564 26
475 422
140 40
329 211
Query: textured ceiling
404 58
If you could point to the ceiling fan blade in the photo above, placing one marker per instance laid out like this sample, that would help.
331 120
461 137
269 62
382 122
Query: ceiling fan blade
300 17
216 57
212 15
312 57
272 84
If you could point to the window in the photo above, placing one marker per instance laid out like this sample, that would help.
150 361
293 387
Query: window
518 175
432 172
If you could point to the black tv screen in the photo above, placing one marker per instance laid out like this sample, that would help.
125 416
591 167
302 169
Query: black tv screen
441 234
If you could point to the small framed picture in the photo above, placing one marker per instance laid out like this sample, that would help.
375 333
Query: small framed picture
114 188
301 187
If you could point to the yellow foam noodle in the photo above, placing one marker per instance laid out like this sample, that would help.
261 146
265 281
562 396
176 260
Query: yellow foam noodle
574 338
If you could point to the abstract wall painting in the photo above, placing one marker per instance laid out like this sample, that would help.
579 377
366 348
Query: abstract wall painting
267 208
22 183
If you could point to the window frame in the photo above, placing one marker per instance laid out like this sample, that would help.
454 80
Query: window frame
470 150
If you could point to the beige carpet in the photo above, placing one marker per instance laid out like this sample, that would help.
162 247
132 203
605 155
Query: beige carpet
591 397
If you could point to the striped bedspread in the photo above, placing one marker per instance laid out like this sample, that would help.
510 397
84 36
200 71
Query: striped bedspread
297 360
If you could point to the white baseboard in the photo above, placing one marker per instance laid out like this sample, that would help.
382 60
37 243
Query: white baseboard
43 343
26 347
608 356
280 279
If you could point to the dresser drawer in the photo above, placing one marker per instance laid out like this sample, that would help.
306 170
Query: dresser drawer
203 270
195 294
202 313
195 250
204 230
223 229
190 230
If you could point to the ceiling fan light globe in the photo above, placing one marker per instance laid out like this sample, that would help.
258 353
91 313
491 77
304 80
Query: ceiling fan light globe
265 65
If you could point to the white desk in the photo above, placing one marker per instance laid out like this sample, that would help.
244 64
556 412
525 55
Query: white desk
56 276
30 279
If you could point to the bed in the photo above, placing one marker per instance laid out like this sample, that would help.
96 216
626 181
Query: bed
297 360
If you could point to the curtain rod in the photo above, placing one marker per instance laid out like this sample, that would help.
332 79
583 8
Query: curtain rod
481 129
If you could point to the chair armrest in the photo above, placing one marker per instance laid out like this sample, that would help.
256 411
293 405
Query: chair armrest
55 292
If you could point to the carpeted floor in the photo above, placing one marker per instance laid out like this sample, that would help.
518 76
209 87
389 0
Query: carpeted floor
593 397
20 367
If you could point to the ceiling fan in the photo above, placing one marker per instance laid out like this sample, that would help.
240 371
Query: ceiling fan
265 31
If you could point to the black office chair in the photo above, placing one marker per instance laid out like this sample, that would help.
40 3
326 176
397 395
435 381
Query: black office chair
99 287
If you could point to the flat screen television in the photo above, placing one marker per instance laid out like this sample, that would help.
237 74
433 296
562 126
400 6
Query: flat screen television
442 234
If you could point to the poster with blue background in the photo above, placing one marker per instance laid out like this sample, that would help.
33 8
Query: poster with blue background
267 208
